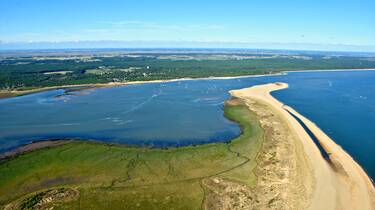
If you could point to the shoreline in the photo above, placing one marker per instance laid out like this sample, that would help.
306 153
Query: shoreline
15 93
100 171
340 182
109 85
331 70
32 146
47 143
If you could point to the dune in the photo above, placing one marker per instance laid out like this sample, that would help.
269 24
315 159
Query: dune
338 182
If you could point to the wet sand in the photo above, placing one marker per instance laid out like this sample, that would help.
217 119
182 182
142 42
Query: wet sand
338 183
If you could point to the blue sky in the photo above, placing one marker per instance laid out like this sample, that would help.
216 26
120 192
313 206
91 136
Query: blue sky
340 22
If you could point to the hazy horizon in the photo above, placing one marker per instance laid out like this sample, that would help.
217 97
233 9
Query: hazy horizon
292 25
118 44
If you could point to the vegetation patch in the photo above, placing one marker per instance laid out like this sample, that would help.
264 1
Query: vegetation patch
30 72
48 199
111 176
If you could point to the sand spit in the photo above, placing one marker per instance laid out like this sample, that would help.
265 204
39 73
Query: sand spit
280 161
338 183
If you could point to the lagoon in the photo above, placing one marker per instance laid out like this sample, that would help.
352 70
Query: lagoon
191 112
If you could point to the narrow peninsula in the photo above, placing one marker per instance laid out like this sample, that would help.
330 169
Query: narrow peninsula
338 182
274 163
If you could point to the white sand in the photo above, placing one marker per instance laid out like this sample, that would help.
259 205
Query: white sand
341 184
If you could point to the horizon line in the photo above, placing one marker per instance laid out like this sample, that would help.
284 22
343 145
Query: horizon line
175 44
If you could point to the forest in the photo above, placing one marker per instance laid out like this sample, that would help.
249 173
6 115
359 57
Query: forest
29 72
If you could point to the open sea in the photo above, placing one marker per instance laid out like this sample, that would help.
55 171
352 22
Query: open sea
341 103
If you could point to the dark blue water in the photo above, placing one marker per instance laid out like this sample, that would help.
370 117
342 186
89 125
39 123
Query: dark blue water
342 104
191 112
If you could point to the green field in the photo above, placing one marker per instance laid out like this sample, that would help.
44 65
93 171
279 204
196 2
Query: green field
117 176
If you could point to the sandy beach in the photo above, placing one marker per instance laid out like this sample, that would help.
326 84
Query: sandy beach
13 93
338 183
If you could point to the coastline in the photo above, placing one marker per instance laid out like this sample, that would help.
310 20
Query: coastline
15 93
336 184
340 183
182 174
332 70
31 147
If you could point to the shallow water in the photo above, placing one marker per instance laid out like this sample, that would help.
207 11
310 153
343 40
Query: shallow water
191 112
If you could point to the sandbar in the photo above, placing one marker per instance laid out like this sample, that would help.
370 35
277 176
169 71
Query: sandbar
339 182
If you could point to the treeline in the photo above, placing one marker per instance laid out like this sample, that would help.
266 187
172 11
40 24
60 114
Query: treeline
24 73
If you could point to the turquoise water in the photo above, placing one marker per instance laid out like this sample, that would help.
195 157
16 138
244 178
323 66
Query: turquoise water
191 112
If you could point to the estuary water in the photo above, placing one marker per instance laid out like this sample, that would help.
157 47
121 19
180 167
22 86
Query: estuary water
342 103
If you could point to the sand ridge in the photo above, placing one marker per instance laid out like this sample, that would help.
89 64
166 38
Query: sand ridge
339 183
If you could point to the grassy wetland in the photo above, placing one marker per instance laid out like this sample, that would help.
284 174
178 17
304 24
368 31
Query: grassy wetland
93 175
